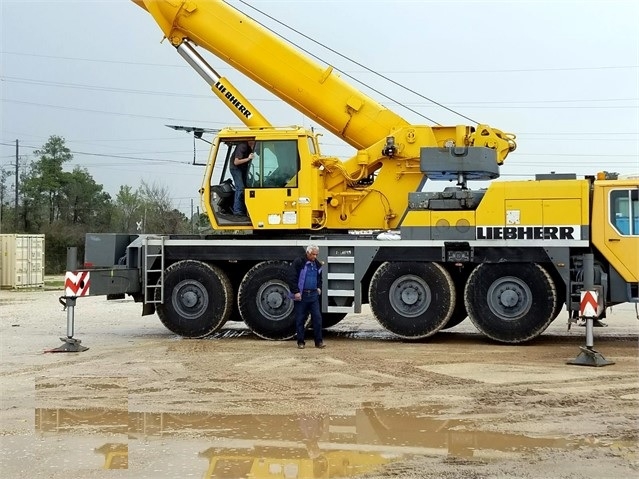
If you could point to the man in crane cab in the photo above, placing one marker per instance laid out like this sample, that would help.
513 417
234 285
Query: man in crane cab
239 167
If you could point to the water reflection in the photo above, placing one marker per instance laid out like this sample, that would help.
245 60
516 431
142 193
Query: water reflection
116 455
292 446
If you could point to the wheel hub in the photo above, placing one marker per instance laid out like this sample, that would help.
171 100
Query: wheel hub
189 299
410 295
274 299
509 298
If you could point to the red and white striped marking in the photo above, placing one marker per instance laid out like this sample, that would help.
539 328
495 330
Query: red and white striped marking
76 284
589 306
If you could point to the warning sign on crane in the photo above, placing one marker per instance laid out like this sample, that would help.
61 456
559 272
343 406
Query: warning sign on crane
76 284
589 306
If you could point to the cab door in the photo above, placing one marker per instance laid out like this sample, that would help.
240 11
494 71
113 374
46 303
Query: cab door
615 226
272 194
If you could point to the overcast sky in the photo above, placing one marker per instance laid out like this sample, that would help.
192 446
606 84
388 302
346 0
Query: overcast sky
561 75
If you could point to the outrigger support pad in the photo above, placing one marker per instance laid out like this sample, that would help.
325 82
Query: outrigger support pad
590 357
588 310
69 344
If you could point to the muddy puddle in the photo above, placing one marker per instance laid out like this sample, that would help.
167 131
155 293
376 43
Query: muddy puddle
270 446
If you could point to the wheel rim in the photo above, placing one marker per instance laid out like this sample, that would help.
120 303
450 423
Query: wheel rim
509 298
273 302
410 296
190 299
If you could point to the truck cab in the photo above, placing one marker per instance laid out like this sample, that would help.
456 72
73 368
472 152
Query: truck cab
283 187
616 234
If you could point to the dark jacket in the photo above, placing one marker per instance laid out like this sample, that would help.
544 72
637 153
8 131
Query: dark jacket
242 150
297 274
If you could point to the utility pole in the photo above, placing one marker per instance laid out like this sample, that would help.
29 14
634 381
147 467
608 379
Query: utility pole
16 203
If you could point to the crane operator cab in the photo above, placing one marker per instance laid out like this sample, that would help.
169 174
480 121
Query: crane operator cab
271 190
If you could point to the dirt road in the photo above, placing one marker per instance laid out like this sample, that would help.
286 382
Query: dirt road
147 404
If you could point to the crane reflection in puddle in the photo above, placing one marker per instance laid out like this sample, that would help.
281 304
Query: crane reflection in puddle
291 446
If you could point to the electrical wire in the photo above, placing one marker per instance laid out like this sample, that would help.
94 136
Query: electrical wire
390 80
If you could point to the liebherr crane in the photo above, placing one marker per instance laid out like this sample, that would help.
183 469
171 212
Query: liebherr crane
510 257
291 185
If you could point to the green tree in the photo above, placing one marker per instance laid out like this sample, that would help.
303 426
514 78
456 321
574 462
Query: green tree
42 186
83 202
158 214
63 205
6 213
68 205
128 205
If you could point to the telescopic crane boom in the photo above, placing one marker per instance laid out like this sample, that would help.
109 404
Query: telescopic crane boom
312 89
326 192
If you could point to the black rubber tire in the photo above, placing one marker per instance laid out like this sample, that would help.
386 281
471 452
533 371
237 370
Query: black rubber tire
561 304
412 300
511 302
264 303
198 299
331 319
559 308
459 312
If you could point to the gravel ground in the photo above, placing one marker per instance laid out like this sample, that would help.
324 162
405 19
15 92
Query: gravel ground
143 403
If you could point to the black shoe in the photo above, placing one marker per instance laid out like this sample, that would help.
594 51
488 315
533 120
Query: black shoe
234 218
320 346
300 345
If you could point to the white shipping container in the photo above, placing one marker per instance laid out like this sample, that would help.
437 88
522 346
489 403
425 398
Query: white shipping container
21 261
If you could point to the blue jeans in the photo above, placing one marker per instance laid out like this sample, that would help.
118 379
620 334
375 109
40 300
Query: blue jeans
308 304
238 202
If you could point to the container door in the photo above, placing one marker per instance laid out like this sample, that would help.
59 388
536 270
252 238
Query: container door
29 261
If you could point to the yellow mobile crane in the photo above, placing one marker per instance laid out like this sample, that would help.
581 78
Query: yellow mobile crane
291 185
510 257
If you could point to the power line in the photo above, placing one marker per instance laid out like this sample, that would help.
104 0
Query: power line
399 72
92 60
376 73
87 110
76 86
80 86
103 155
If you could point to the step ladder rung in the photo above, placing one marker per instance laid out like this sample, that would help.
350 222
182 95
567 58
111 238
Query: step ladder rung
340 259
340 309
151 268
341 292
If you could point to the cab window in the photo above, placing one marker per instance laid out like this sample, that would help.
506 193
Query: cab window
275 165
624 211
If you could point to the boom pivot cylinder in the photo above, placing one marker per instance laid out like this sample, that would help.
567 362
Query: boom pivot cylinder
198 63
238 104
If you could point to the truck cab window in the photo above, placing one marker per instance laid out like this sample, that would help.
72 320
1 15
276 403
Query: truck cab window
276 164
624 211
221 163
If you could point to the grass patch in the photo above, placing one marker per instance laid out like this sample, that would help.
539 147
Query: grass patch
53 282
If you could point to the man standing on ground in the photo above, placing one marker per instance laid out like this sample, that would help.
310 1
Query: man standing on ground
305 283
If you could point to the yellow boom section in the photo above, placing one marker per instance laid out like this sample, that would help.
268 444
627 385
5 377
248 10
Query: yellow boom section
307 86
310 88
